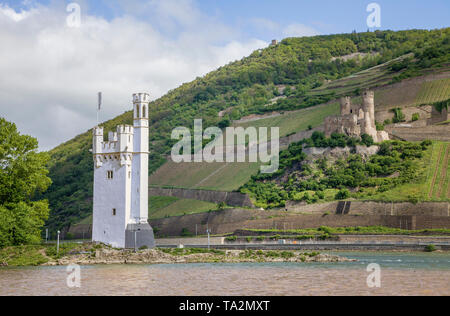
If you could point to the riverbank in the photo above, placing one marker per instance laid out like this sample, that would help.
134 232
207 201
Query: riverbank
92 254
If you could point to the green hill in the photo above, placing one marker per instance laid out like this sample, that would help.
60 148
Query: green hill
311 68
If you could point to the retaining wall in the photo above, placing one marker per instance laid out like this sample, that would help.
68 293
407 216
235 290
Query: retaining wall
372 208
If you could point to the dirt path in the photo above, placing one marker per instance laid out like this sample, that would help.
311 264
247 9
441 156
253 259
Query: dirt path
443 173
436 171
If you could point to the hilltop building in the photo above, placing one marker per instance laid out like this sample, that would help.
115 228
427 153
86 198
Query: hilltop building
121 182
274 42
356 120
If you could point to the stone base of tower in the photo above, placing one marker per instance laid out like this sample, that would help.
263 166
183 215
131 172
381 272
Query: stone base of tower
139 235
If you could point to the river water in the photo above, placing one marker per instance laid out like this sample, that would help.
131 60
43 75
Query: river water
401 274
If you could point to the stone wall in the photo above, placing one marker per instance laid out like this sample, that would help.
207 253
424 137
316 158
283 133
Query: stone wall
230 198
374 208
228 221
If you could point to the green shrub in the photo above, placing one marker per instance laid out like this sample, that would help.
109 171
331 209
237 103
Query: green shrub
398 115
430 248
414 199
342 194
186 233
415 117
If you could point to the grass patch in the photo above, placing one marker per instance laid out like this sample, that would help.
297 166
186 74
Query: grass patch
180 207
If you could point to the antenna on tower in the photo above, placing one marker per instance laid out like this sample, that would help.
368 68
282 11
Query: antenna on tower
99 106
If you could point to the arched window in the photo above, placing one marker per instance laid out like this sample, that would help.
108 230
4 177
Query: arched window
137 111
143 111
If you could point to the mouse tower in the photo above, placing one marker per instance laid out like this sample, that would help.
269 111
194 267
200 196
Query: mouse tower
120 206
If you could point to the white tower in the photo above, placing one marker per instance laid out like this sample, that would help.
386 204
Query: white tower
139 208
120 210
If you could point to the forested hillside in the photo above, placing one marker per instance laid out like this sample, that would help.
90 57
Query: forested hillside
246 87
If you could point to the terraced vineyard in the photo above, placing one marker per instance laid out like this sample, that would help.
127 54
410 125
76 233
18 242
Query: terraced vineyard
230 176
439 172
375 76
434 91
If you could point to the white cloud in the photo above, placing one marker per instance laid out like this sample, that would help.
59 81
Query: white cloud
299 30
13 15
51 73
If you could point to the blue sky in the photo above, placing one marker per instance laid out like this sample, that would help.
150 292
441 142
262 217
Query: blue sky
325 16
127 46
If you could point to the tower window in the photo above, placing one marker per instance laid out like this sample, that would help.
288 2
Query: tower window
143 111
114 212
110 175
137 111
129 174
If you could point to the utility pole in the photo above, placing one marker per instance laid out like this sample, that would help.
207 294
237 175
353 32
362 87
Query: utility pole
57 243
135 243
209 244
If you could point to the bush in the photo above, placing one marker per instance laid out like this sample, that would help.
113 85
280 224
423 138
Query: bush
415 117
186 233
414 199
430 248
398 115
367 140
380 126
342 194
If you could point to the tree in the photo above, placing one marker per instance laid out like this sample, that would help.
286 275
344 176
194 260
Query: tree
23 173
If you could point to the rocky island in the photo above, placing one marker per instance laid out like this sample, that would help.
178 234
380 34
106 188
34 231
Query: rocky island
100 254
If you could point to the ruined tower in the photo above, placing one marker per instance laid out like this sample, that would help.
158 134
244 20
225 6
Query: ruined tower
369 107
346 104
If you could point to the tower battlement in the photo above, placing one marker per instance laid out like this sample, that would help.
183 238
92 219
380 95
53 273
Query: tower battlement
141 98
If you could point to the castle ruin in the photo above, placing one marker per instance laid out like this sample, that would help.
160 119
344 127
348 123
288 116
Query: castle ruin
356 120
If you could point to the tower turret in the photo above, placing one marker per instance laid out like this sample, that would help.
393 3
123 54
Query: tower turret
139 189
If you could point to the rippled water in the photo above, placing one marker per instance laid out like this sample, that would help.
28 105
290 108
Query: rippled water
401 274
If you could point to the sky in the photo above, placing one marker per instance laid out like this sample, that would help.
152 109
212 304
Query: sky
52 64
